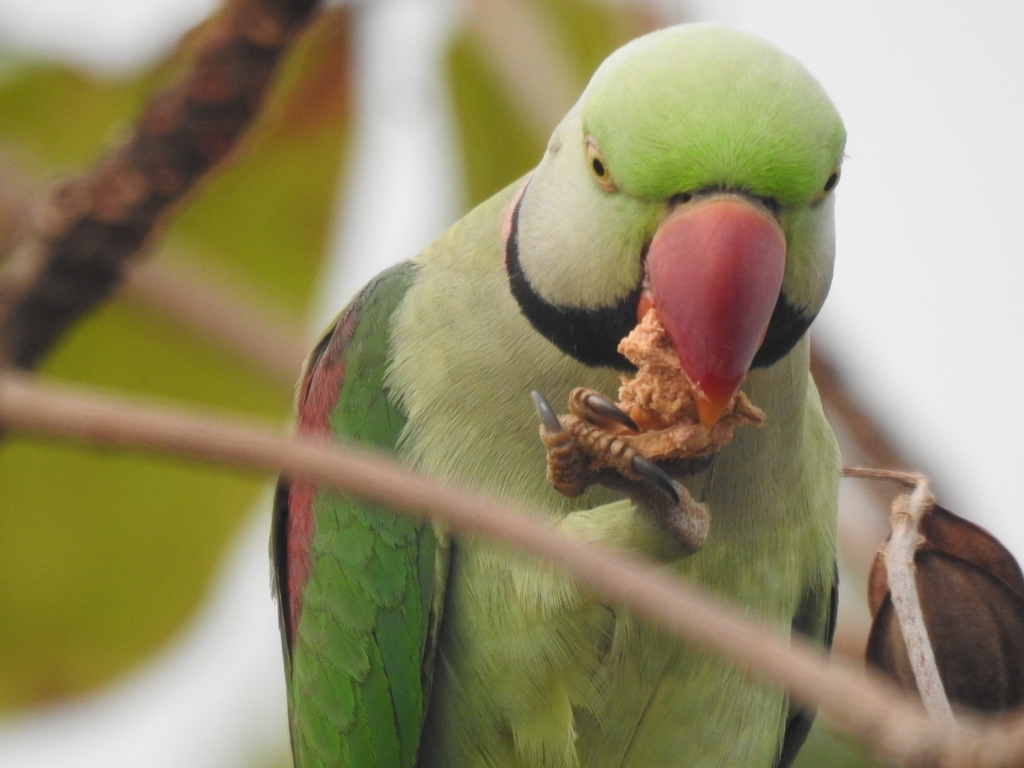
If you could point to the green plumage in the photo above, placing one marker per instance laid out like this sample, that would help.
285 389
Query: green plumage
694 136
355 676
409 650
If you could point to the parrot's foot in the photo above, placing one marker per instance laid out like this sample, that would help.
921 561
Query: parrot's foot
591 445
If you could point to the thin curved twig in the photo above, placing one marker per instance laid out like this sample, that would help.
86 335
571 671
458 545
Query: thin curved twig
865 706
901 573
907 511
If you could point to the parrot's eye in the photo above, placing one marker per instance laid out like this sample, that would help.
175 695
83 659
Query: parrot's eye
830 184
598 166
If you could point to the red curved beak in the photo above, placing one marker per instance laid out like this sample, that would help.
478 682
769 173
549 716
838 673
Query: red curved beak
715 272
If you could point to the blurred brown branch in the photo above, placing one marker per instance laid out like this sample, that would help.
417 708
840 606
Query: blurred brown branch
16 201
183 290
90 227
861 704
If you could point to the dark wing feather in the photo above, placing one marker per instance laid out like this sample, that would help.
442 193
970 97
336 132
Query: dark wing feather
808 622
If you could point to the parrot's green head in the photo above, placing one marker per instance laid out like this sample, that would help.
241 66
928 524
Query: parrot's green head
695 174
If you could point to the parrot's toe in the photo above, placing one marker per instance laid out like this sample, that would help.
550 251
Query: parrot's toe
687 522
590 445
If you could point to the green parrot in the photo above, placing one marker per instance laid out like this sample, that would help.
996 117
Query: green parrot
695 174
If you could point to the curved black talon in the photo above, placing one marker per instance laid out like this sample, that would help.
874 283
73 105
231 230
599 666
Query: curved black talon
653 474
602 406
545 412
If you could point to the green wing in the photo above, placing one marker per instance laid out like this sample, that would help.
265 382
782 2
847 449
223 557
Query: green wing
359 586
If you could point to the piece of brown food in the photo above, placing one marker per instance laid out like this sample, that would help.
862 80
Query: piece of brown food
659 398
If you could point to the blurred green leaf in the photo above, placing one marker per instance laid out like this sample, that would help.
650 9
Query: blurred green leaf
498 142
59 118
104 556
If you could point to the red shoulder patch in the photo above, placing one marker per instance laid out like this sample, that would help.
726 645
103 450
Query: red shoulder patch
318 395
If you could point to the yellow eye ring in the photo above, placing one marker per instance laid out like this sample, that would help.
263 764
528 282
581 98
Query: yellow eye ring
598 166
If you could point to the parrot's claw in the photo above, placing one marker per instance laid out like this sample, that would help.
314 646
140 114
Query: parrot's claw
588 446
656 476
599 405
545 412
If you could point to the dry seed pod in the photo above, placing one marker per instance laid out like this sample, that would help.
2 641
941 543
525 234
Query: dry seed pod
971 592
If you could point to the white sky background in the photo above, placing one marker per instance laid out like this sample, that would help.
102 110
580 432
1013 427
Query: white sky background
925 312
